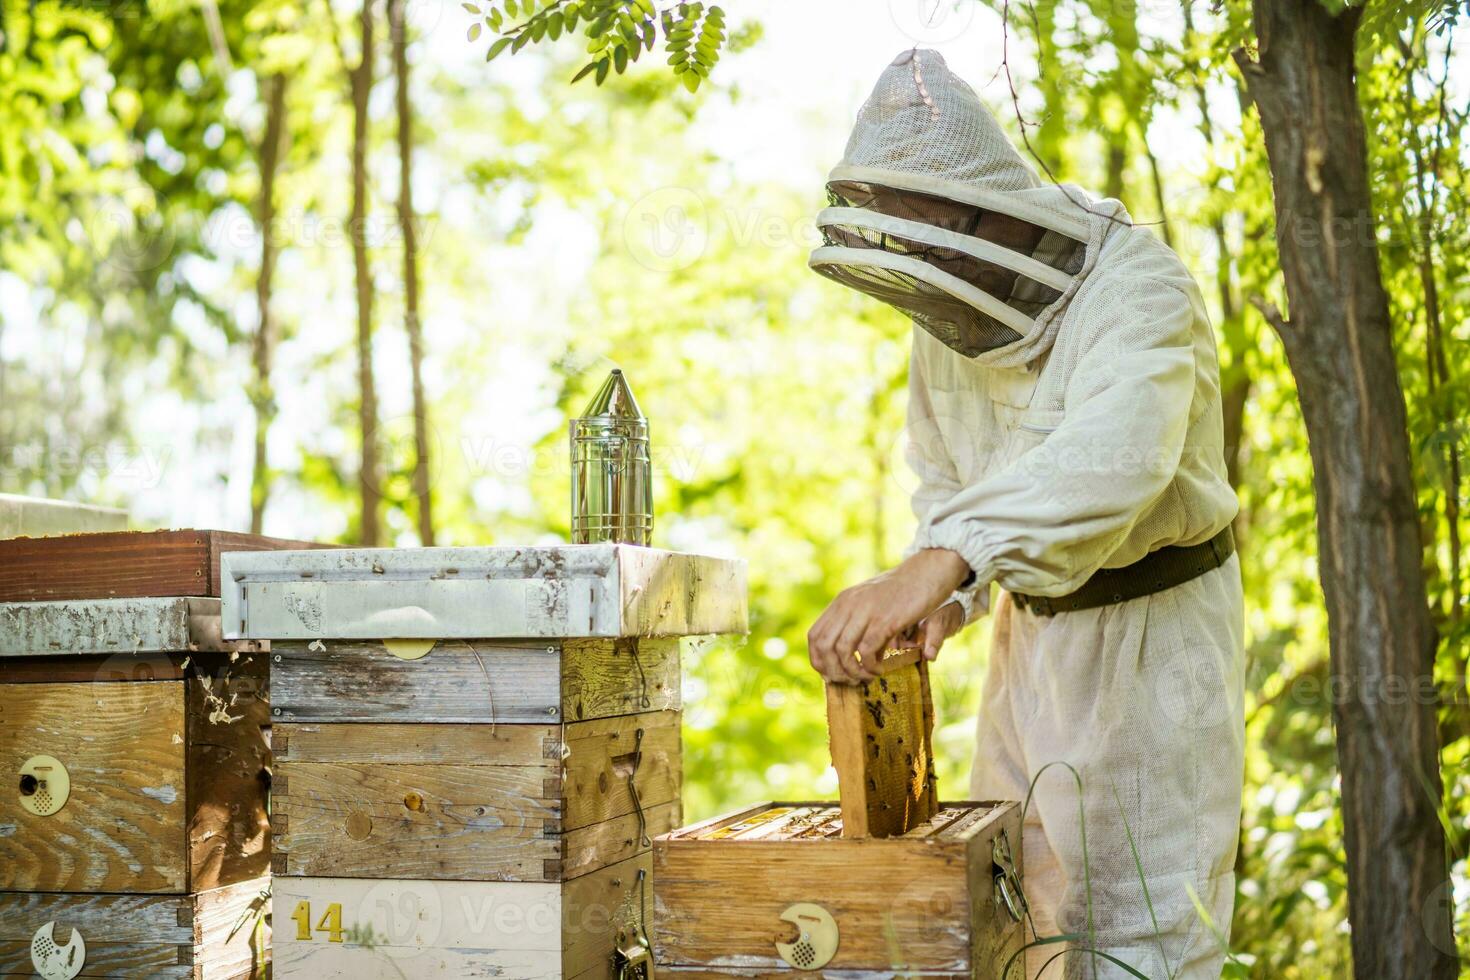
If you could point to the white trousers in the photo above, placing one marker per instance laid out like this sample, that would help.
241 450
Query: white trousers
1144 700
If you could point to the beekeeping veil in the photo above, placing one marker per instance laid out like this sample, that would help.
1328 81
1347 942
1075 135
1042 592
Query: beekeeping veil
934 212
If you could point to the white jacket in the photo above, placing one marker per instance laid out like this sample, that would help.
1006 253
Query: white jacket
1104 447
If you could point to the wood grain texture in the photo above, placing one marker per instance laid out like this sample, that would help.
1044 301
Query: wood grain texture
458 682
473 681
603 755
603 678
418 744
223 927
471 802
123 829
189 936
600 844
882 740
405 821
122 564
228 771
919 906
596 907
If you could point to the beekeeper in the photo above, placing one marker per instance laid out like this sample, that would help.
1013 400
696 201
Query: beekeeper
1064 422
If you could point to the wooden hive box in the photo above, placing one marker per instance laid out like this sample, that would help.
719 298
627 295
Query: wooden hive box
388 929
220 934
157 725
927 903
122 564
487 727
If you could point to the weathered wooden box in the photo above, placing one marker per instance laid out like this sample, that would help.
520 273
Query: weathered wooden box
480 802
218 934
934 902
360 929
122 564
474 747
155 725
526 730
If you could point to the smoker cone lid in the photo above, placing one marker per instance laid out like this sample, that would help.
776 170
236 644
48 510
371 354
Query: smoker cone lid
614 401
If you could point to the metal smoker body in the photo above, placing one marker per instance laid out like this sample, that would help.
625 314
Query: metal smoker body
612 484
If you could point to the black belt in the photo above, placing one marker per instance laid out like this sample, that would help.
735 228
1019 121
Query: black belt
1154 572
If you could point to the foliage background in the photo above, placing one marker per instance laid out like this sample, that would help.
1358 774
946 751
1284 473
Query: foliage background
570 229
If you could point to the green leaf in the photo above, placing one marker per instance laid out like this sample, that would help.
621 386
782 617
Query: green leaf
553 25
471 8
620 59
496 18
510 8
602 66
498 47
587 69
691 81
474 31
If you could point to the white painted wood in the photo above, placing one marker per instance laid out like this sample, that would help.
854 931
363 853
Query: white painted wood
106 626
394 929
601 590
34 517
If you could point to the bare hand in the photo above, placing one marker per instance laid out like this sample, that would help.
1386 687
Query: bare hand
929 635
870 617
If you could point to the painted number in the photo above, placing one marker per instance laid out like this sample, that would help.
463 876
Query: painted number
330 922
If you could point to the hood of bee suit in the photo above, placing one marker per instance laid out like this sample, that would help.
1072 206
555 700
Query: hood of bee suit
933 211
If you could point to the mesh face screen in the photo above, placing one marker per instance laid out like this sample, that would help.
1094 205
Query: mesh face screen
953 321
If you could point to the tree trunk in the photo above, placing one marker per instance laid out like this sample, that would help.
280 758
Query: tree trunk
1235 379
414 327
262 396
1338 343
368 472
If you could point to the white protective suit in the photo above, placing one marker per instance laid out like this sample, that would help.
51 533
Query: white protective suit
1091 438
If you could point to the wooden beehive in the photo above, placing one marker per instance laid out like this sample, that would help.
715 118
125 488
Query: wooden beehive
468 731
388 929
926 903
122 564
134 741
158 725
218 934
476 800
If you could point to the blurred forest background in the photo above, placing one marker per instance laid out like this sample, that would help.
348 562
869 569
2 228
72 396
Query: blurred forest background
204 304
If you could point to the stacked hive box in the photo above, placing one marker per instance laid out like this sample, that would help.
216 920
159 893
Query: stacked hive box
890 883
133 828
474 749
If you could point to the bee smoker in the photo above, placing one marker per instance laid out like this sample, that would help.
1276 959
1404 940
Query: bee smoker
612 486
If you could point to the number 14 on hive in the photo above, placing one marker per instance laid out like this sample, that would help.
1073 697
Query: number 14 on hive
330 922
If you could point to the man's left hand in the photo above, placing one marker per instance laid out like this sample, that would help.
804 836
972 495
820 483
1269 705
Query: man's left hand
869 618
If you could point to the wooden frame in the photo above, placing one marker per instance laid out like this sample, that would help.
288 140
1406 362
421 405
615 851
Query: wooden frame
882 739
